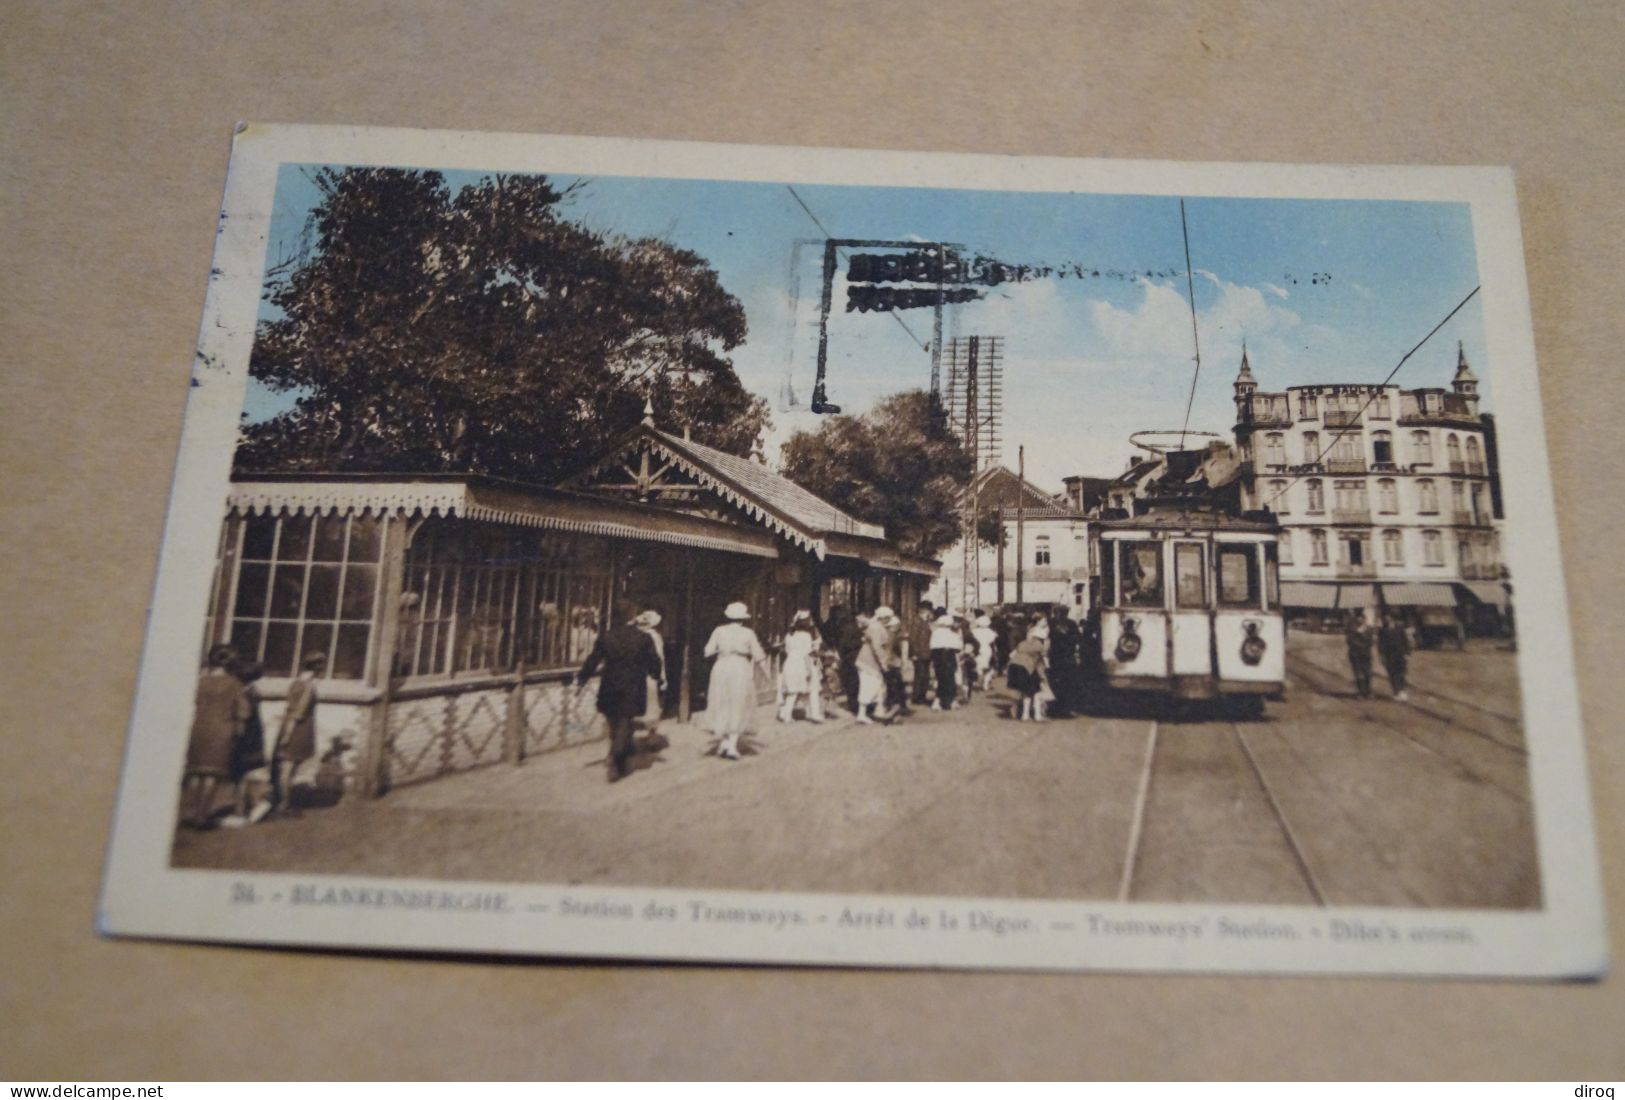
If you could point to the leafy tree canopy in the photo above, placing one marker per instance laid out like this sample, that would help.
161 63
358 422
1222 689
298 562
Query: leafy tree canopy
484 332
896 465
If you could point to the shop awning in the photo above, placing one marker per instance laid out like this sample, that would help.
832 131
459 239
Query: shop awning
1356 595
1418 595
1488 592
1311 594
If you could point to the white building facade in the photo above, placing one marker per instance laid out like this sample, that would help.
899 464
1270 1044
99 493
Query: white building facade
1046 534
1382 493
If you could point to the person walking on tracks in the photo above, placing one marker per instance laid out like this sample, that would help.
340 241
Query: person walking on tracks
629 659
1359 636
1394 647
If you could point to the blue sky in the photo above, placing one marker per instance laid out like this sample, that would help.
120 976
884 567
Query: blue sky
1321 290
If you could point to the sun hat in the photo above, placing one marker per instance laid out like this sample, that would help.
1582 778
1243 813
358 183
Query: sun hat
736 611
648 619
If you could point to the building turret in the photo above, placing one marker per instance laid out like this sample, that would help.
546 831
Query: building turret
1245 385
1465 383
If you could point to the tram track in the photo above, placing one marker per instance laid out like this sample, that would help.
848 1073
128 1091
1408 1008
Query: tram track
1292 852
1447 719
1291 838
1454 761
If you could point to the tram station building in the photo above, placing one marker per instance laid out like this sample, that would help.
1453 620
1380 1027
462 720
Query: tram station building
1385 495
450 611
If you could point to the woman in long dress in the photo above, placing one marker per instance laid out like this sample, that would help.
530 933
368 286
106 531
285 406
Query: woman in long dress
803 673
730 699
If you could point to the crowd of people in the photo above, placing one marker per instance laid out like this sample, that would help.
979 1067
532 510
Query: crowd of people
874 663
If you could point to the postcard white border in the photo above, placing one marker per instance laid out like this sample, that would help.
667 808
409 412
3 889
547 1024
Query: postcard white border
144 896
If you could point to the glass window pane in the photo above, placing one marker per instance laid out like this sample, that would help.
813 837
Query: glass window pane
259 535
1189 587
245 639
1142 574
350 652
279 648
295 543
286 590
359 582
252 580
364 539
1238 576
329 539
1108 574
322 602
317 638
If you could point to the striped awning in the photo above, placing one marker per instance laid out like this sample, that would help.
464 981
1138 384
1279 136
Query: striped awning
1403 594
1311 594
1487 592
1356 595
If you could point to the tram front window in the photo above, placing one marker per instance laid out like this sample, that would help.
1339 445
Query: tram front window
1238 575
1189 587
1142 574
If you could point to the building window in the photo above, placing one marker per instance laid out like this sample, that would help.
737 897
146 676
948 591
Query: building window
1464 554
1475 456
1382 447
1308 406
482 600
1041 555
1317 496
1311 448
1286 547
1452 451
1348 448
1278 497
1317 547
1458 497
1387 496
1422 445
1393 547
306 585
1427 496
1481 508
1349 496
1432 548
1379 407
1275 449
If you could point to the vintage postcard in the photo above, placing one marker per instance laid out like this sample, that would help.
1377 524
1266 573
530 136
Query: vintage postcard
590 547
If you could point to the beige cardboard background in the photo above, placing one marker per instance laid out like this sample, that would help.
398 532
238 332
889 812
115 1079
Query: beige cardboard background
114 131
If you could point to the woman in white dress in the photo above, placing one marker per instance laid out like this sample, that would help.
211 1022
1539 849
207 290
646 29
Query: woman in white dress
803 672
985 636
730 699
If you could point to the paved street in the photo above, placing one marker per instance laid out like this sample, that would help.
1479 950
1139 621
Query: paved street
1330 799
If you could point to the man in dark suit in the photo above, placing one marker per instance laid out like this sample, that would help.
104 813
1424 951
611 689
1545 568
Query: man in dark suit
629 658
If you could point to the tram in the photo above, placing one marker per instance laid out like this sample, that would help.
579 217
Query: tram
1189 605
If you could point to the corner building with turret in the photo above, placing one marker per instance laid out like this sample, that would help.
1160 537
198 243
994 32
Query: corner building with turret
1385 496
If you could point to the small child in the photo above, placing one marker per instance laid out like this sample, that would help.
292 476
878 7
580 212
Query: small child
296 737
1027 675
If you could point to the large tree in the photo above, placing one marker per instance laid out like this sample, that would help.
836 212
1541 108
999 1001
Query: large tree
483 331
897 465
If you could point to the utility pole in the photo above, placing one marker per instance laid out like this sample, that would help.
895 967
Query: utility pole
1000 514
1021 512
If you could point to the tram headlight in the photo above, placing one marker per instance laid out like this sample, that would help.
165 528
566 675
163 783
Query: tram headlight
1252 646
1128 644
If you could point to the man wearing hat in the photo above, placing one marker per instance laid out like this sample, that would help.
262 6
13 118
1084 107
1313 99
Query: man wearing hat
629 659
